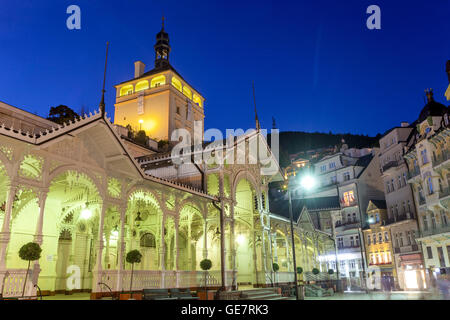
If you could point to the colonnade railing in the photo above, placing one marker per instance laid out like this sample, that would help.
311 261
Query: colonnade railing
288 277
149 279
11 283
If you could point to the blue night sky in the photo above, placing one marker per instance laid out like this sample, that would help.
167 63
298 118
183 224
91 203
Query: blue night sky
315 65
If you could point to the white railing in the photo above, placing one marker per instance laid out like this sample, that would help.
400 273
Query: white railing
322 276
13 280
149 279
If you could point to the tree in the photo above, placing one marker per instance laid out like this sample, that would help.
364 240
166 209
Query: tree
29 252
205 265
134 256
62 114
315 271
141 137
275 267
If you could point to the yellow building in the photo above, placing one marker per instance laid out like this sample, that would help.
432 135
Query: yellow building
160 100
378 247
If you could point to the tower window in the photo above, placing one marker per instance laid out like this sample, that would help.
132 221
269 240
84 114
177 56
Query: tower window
197 100
158 81
142 85
126 90
177 84
187 92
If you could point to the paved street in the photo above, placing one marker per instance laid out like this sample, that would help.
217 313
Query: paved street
397 295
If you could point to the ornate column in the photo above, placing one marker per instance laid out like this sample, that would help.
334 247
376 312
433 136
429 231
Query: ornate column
5 233
189 249
233 248
205 239
176 252
162 251
38 236
98 268
121 245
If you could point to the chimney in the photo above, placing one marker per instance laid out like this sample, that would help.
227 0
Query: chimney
404 124
139 68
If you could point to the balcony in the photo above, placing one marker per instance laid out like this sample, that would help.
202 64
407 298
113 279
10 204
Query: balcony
413 173
435 231
406 249
391 164
440 159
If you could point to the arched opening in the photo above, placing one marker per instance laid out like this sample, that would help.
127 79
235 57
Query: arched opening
191 228
247 243
177 84
158 81
187 92
144 219
72 214
198 100
142 85
126 90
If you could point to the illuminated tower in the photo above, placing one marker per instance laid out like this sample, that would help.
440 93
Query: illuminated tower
160 100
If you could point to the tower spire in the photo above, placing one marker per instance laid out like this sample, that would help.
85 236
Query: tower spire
102 102
162 47
258 126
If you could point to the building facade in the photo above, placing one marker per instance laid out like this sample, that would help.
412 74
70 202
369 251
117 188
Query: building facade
401 209
428 162
87 196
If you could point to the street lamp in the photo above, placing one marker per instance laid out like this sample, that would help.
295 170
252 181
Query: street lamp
307 182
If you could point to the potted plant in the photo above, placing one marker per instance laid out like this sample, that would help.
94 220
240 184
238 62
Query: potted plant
276 268
134 256
205 265
330 273
301 294
29 252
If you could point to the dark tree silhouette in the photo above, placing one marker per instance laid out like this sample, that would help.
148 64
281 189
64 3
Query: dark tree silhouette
62 114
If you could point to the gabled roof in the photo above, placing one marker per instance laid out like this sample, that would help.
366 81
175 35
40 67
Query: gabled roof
377 204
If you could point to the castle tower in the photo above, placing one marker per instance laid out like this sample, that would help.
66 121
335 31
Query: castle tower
160 100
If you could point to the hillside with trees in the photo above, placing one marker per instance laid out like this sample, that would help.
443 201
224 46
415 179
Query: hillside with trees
293 142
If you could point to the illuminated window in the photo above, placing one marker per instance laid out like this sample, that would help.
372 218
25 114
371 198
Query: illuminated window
349 198
177 84
158 81
197 100
142 85
187 92
126 90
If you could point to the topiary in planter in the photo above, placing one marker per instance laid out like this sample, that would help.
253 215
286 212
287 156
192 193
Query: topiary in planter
29 252
276 267
205 265
330 272
134 256
299 270
315 271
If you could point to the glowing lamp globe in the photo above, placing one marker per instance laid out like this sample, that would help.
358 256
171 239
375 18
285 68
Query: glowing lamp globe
240 239
308 182
86 213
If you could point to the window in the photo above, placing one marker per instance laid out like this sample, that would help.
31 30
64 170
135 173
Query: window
399 178
368 240
333 180
187 92
430 185
425 222
404 207
357 241
142 85
424 156
346 176
444 221
429 253
400 236
405 179
197 100
354 217
388 188
349 198
392 185
396 241
332 165
380 237
377 217
386 236
408 238
126 90
158 81
323 168
352 243
409 206
374 238
177 84
433 221
340 242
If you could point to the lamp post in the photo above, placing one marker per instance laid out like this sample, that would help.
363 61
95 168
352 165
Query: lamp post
307 182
